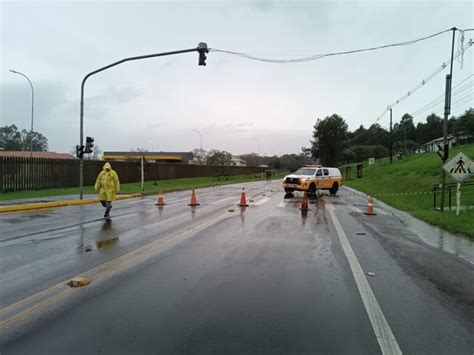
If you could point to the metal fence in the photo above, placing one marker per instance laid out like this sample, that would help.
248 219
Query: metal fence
36 173
467 195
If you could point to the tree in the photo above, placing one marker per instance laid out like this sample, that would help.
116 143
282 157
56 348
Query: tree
465 124
294 161
330 139
14 140
364 152
200 155
358 136
40 142
405 126
10 138
252 159
219 157
432 129
95 155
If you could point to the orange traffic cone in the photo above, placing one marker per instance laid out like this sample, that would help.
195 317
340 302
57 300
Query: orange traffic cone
193 199
243 200
370 207
304 203
160 201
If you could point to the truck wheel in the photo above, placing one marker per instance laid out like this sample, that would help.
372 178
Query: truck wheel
334 188
312 189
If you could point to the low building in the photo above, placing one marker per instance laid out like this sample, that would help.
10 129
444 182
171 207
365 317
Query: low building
236 161
432 146
162 157
43 155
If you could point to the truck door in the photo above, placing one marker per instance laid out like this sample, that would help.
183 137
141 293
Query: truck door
319 179
326 180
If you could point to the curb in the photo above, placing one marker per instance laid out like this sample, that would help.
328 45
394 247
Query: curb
64 203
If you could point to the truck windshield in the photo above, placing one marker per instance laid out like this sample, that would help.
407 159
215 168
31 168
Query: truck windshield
305 171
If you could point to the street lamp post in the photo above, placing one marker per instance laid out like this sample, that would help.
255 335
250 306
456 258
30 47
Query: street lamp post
151 143
200 139
32 107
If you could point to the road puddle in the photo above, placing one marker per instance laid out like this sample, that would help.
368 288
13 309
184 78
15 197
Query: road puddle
106 243
458 245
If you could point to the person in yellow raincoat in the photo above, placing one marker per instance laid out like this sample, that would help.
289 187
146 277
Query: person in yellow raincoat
107 184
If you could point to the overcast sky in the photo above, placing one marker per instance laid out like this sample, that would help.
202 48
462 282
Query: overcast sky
234 102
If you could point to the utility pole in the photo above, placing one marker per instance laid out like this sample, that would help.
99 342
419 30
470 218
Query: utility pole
201 49
447 111
391 137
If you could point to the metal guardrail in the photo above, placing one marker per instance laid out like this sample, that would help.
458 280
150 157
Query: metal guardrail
467 188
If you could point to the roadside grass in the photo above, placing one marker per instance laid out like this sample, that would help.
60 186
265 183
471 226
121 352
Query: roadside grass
150 187
418 173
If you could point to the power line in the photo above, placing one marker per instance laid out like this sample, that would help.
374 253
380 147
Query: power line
426 80
440 100
320 56
439 105
459 99
431 76
442 95
456 105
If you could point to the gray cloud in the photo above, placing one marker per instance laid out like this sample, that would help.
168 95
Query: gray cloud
231 100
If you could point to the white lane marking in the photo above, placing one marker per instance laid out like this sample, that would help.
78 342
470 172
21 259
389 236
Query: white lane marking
262 201
355 209
388 343
282 204
223 200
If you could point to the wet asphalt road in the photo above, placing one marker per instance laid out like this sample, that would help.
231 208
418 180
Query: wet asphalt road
218 279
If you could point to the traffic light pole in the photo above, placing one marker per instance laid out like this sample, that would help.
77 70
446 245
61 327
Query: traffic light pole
201 48
447 111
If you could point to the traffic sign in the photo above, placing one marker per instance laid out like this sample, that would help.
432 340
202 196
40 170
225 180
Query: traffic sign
461 167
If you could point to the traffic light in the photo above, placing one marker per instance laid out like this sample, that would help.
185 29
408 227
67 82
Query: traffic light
89 145
79 151
202 49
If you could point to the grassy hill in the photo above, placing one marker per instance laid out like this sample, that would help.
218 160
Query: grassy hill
418 173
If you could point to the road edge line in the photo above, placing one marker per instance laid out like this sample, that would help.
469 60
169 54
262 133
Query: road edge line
383 332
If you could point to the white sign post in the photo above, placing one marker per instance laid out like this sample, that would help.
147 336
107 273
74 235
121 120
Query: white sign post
461 167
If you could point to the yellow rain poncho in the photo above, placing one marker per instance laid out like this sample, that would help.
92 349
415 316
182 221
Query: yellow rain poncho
107 184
